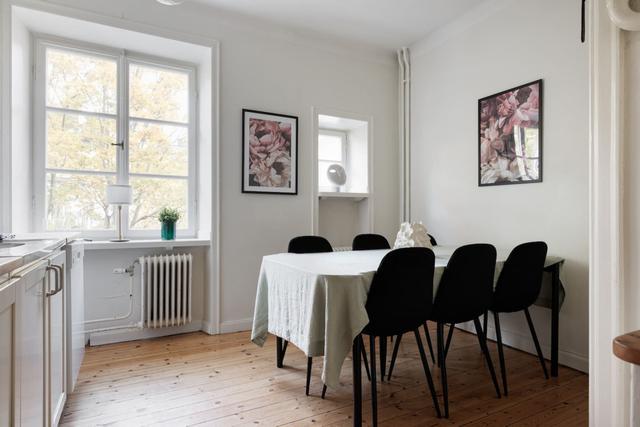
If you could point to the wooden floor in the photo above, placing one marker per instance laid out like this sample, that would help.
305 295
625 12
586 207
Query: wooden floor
226 380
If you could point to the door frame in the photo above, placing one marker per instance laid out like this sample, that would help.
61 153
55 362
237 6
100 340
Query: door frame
608 376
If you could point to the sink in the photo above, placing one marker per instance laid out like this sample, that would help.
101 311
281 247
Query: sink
4 245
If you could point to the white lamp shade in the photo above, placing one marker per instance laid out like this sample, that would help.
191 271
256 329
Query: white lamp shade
119 194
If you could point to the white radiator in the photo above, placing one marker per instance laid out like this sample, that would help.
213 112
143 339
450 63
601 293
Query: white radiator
167 282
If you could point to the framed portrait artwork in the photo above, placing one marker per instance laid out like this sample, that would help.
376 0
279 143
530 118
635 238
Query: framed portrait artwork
269 153
510 136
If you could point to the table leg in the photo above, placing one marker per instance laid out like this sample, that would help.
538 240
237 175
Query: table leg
555 317
279 355
357 383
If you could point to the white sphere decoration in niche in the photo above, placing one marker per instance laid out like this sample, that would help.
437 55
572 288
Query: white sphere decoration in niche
337 175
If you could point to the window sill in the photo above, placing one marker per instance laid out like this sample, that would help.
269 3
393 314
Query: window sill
145 244
343 195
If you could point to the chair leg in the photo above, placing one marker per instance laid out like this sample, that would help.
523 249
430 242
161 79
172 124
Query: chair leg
396 346
537 344
426 332
449 337
383 357
374 391
486 323
443 368
364 358
324 390
487 356
503 369
427 372
309 363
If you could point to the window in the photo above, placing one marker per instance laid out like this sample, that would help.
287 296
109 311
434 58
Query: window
332 149
104 117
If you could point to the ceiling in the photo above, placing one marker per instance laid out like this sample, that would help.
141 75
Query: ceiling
380 23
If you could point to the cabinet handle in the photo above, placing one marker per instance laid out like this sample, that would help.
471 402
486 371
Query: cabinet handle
61 277
57 269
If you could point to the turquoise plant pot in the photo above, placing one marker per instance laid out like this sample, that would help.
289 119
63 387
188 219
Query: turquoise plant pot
168 230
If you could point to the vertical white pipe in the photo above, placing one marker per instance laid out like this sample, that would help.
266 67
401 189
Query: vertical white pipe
167 289
404 124
401 146
173 290
187 286
190 282
179 312
143 294
407 131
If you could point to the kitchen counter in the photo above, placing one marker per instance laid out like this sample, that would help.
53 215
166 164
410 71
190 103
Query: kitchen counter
46 236
33 246
7 265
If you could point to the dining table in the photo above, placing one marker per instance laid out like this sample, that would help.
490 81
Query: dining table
317 303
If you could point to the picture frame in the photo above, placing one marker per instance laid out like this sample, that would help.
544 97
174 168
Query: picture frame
510 133
269 153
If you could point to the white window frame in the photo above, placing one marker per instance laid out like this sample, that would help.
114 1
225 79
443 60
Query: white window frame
345 153
123 59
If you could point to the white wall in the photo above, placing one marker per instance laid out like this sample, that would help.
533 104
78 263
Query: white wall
518 42
274 70
21 151
5 117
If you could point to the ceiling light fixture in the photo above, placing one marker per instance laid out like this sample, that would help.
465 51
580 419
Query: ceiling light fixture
170 2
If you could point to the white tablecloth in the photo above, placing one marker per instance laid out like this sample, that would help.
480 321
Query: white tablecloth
317 301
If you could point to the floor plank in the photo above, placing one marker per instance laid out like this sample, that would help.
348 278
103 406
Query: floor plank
197 379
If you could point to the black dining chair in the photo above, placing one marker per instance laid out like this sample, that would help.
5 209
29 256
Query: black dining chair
309 245
432 240
517 289
400 300
364 242
464 294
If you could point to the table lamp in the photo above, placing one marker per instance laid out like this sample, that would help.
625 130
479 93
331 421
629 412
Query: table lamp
119 195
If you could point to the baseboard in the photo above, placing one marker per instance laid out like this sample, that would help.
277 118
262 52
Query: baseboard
132 334
523 342
239 325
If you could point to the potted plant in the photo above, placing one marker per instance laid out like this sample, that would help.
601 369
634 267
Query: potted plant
168 218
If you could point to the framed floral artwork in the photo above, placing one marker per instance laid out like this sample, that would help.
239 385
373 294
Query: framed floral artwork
269 153
510 136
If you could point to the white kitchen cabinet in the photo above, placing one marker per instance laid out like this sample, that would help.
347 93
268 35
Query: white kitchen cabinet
43 342
56 346
32 338
8 354
74 292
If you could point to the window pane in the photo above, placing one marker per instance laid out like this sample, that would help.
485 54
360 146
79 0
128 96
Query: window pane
80 142
158 94
150 195
158 149
330 147
78 202
81 82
